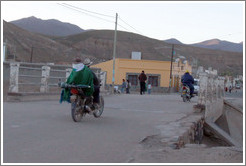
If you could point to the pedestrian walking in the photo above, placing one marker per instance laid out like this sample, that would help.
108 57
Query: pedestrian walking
123 85
128 86
142 78
149 88
230 88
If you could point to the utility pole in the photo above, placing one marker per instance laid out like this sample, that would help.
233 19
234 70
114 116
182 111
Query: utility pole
115 40
171 68
31 55
4 50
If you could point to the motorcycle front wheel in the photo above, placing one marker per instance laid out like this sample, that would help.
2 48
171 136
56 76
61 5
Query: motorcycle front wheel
76 111
97 113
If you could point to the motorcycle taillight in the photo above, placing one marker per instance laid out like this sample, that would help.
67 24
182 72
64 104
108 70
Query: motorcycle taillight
74 91
184 87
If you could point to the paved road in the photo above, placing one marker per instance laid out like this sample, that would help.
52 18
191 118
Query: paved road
39 132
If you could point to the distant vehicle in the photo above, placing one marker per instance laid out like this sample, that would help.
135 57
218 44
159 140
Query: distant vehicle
196 86
237 86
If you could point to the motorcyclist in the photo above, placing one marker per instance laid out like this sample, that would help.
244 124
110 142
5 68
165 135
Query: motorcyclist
96 84
80 74
188 80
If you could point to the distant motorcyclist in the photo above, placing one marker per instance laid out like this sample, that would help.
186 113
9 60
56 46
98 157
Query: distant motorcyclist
188 80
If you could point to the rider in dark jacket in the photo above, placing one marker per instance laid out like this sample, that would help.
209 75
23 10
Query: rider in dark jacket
96 83
188 80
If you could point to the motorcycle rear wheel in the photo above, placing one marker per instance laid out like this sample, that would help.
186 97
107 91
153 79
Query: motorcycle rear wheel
184 98
97 113
75 111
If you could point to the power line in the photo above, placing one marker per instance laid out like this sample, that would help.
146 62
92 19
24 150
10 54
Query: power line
123 27
79 10
103 15
88 11
84 11
72 8
129 25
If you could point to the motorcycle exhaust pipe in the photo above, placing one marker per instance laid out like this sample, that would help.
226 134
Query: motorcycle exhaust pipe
88 108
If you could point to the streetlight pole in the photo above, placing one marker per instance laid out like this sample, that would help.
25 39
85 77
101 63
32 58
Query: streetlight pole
115 39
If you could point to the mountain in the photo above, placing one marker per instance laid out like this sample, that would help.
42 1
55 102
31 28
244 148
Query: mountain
217 44
50 27
54 27
173 41
98 46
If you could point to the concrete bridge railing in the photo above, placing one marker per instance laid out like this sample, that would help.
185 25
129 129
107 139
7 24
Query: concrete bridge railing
43 76
211 101
211 94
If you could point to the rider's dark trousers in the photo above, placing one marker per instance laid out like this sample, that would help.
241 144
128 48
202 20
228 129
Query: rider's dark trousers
96 94
191 89
142 87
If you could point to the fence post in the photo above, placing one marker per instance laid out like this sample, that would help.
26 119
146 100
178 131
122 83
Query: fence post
14 77
44 80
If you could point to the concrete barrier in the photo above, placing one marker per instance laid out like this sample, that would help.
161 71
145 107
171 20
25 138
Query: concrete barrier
211 95
222 118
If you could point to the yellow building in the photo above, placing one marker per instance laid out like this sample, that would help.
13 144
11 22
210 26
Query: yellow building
158 72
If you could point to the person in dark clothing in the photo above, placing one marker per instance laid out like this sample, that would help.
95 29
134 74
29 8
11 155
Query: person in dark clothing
96 82
142 78
188 80
128 86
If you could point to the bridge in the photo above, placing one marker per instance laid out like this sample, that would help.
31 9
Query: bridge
133 128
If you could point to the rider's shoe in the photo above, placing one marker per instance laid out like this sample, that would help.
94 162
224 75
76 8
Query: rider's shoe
96 106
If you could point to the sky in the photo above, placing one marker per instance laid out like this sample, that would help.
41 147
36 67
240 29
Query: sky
187 21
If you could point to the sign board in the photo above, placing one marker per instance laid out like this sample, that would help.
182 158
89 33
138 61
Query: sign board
136 55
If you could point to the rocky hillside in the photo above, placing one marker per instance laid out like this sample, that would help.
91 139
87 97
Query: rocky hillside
50 27
214 44
98 45
217 44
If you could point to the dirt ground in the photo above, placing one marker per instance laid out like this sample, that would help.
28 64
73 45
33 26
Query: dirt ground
191 153
152 150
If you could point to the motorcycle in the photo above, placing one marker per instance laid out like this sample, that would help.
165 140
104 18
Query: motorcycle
82 104
186 93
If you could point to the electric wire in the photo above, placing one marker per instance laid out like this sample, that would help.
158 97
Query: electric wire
130 25
88 10
85 13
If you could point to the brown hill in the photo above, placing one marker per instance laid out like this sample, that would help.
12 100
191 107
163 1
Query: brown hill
217 44
24 46
47 27
98 45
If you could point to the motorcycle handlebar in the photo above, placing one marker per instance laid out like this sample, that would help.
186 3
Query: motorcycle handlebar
65 85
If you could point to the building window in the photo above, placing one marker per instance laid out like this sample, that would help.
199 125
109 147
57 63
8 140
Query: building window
153 80
133 79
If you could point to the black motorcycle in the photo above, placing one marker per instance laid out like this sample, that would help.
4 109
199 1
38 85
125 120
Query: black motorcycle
82 104
186 93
